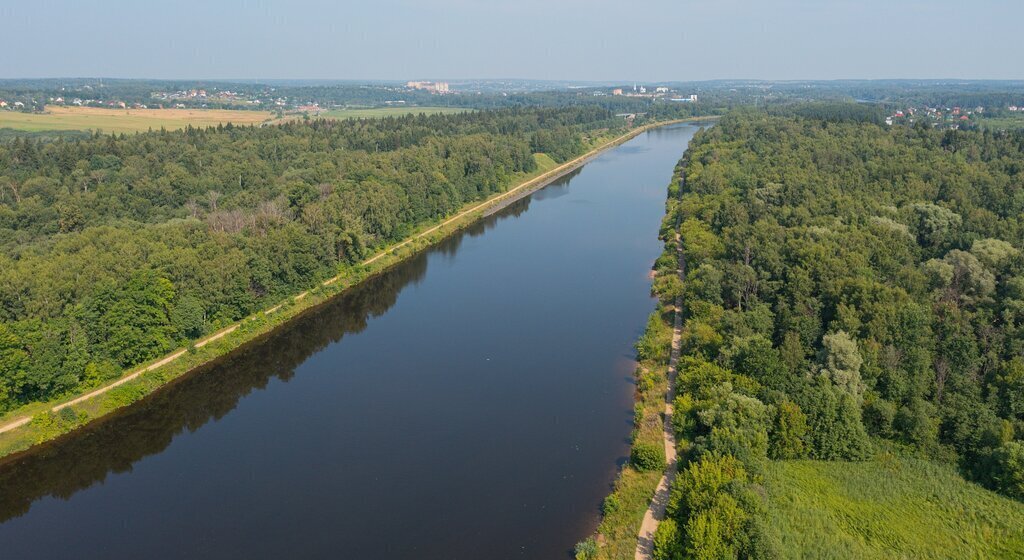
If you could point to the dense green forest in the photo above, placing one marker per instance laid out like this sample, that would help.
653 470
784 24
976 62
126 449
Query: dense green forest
116 249
850 287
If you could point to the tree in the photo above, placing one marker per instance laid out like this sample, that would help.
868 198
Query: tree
1010 473
668 543
995 254
1011 388
131 323
13 359
971 280
841 363
934 224
789 429
716 532
836 430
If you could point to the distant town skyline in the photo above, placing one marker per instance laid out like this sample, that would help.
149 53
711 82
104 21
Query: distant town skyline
600 40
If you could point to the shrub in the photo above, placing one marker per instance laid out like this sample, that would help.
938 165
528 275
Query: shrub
667 288
656 341
123 395
586 549
647 456
611 504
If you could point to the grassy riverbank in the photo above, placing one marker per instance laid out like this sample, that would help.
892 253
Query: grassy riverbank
624 508
40 422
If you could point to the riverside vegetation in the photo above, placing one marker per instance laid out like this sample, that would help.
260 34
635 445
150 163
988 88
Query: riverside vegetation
852 342
118 249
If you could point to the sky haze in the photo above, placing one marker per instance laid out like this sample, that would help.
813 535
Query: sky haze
649 40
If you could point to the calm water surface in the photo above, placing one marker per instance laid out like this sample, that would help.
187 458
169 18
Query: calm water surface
474 402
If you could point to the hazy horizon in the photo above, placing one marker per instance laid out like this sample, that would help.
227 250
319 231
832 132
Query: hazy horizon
571 41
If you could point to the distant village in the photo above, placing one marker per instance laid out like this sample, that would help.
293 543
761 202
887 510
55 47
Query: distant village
948 117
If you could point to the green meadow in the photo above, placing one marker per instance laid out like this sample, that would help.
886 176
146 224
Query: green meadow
888 507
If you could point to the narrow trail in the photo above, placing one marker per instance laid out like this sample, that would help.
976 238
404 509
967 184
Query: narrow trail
519 190
656 511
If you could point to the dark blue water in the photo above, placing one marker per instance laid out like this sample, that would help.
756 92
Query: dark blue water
473 402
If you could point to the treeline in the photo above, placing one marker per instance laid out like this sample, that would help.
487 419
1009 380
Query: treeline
116 249
848 286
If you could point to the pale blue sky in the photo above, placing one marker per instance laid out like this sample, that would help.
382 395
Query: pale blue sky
542 39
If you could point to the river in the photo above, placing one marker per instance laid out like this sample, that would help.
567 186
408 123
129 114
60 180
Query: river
473 402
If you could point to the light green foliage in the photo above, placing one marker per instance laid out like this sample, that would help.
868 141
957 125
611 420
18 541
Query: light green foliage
842 361
656 342
788 432
48 425
715 532
700 338
933 223
699 242
697 376
711 500
994 253
123 395
667 541
971 279
940 273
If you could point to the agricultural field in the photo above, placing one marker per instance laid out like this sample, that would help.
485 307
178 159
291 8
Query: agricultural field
888 507
125 120
378 112
1007 122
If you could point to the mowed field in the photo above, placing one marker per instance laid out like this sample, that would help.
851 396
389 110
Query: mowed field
125 120
888 507
378 112
1008 122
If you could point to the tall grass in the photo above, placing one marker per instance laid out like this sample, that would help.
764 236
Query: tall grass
888 507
